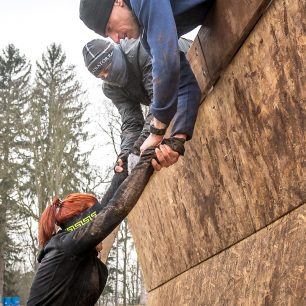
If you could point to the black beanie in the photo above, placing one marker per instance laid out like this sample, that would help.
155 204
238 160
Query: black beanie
95 14
98 55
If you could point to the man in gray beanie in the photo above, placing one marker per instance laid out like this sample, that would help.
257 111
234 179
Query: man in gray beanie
127 73
159 23
98 55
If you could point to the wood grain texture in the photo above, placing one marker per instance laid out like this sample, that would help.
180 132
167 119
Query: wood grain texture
197 62
223 32
269 268
244 167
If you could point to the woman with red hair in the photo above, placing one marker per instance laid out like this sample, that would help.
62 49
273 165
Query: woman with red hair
70 272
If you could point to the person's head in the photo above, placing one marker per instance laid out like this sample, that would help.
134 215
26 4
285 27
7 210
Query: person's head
60 212
109 18
98 55
105 60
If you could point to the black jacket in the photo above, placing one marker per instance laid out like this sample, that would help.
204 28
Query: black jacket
128 99
70 274
137 92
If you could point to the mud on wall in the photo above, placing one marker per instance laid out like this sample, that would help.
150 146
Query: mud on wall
244 169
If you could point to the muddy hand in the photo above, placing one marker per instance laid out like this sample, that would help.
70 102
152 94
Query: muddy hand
168 152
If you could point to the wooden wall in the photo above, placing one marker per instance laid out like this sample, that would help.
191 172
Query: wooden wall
265 269
228 217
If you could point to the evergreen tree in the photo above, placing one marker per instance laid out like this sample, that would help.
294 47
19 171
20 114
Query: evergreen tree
14 93
57 130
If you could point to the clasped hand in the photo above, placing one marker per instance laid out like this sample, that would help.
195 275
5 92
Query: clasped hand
165 155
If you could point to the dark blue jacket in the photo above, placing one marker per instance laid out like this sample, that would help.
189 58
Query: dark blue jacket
162 22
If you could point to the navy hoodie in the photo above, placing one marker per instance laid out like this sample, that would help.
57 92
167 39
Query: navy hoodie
162 23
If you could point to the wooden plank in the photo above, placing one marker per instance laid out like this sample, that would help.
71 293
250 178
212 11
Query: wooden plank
229 24
268 268
244 167
267 93
198 64
223 32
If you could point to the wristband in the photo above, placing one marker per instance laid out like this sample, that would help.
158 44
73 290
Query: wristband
156 131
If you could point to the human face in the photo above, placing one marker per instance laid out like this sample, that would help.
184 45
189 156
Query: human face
122 23
104 73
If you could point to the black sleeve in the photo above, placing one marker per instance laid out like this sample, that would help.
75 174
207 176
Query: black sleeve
117 179
144 134
126 197
131 118
145 67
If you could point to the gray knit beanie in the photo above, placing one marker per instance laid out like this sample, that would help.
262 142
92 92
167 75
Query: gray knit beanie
95 14
98 55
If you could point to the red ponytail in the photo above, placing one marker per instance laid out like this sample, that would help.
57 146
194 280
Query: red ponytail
60 211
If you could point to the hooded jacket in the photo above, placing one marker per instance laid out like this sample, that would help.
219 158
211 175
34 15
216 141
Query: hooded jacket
139 92
129 99
162 23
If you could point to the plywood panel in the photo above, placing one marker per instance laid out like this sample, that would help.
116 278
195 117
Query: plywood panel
244 167
229 23
267 89
223 32
269 268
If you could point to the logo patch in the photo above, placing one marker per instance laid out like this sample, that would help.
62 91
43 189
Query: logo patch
81 222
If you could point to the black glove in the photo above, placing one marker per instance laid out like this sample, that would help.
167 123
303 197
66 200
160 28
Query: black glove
124 158
176 144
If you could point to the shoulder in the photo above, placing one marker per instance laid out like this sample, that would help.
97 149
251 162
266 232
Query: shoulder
135 53
132 49
52 246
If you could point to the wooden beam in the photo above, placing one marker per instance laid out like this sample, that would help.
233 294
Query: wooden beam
197 62
223 32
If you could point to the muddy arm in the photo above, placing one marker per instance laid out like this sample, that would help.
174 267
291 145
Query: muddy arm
115 211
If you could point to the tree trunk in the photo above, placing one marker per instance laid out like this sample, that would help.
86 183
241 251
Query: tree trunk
143 291
137 282
125 260
117 267
1 273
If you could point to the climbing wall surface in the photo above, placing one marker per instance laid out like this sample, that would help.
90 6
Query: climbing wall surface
226 224
266 269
